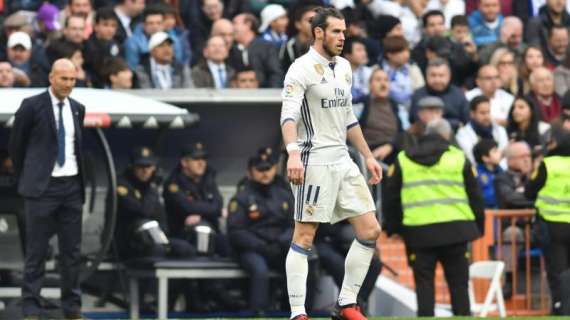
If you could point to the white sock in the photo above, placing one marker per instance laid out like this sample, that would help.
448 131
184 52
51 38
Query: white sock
297 269
356 266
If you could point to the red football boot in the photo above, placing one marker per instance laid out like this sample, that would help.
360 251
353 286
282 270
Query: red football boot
348 312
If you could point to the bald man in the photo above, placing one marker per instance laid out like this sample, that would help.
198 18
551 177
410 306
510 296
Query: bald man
45 146
542 94
225 29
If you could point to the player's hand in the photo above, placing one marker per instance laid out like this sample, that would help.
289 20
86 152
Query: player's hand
375 170
295 169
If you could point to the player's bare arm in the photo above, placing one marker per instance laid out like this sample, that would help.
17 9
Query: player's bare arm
356 138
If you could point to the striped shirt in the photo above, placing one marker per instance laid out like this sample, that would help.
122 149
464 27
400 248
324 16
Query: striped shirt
316 96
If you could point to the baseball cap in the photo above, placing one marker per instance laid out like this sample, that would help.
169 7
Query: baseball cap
269 14
157 39
20 38
49 15
18 19
431 102
260 161
196 150
143 156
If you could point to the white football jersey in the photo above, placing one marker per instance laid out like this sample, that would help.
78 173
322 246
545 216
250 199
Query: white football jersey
316 96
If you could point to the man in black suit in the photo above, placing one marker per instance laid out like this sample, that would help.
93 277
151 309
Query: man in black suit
250 50
45 146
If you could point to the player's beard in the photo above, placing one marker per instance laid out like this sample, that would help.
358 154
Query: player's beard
330 51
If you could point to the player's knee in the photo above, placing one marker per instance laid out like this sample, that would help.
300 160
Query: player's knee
304 237
371 233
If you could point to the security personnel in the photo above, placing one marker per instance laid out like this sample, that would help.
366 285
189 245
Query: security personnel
192 197
550 186
139 202
259 227
432 200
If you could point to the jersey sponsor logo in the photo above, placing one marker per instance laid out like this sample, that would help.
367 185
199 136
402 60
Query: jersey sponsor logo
339 102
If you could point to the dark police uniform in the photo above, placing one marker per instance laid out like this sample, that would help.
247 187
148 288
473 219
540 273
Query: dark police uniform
138 202
260 230
550 186
184 196
432 199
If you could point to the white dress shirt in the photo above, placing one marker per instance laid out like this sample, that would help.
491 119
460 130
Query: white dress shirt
215 71
69 168
162 74
125 21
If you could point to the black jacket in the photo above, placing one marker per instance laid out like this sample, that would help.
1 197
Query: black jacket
137 201
428 153
33 143
537 28
96 54
260 216
263 59
509 190
184 197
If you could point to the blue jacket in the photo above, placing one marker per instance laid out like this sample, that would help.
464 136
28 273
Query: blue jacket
136 46
482 35
486 178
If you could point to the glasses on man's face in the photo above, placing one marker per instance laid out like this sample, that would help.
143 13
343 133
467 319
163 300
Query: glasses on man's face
506 63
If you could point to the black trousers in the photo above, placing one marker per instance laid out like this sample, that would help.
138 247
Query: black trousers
456 269
57 211
557 257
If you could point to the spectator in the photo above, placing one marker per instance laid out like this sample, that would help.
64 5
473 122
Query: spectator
429 108
259 227
485 23
46 24
19 54
438 83
405 77
480 126
212 71
160 70
19 21
434 44
74 29
176 30
560 143
552 13
136 45
460 35
355 53
562 77
524 125
450 9
200 27
192 196
71 51
409 12
299 44
532 59
7 77
358 25
380 119
504 60
118 74
101 45
511 37
487 158
245 79
556 48
225 29
542 94
383 26
274 23
139 203
489 85
254 51
80 8
126 12
509 185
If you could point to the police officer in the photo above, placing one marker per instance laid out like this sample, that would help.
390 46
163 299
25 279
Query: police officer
192 197
139 203
259 226
550 186
432 200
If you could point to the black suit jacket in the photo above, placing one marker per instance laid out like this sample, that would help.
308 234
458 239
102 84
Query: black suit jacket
264 59
33 143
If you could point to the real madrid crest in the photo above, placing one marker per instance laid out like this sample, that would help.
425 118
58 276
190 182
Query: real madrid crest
319 69
310 209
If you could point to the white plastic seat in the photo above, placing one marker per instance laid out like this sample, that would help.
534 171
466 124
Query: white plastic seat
491 270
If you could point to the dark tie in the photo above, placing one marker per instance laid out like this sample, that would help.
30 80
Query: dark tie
60 137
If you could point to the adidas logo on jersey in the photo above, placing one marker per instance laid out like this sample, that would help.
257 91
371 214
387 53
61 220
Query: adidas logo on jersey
323 80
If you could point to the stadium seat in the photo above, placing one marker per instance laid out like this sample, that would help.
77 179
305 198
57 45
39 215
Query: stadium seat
492 271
